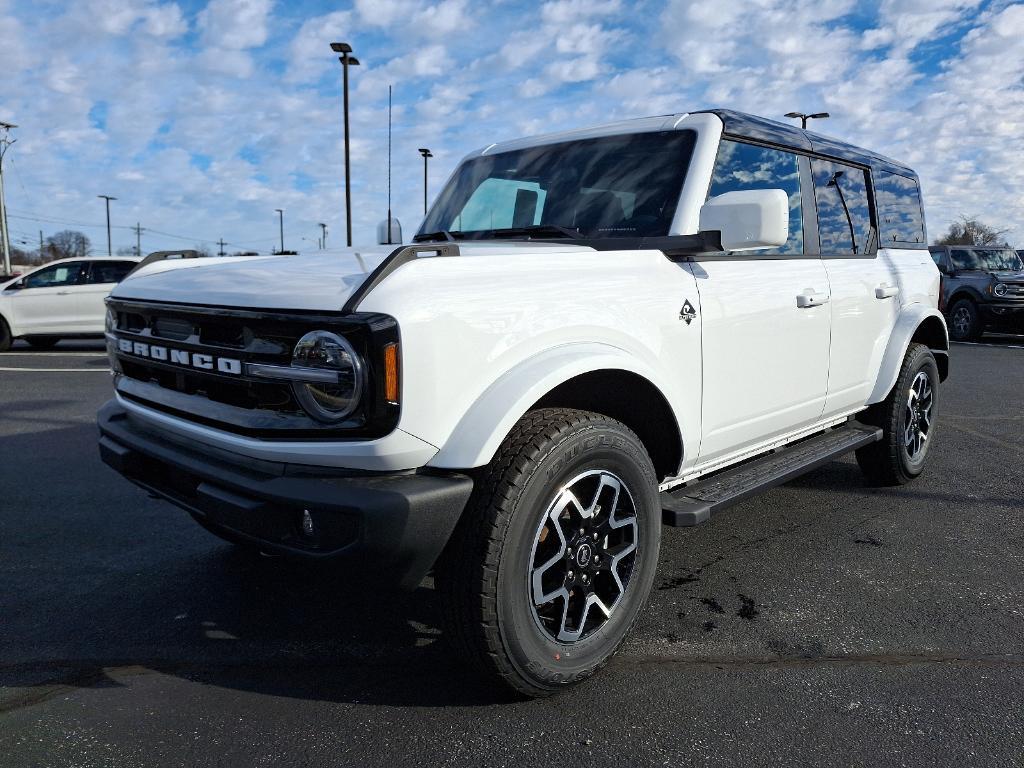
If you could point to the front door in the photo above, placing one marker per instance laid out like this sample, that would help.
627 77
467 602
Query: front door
47 302
764 317
100 280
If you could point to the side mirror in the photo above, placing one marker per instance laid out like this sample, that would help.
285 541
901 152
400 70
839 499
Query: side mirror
392 237
748 219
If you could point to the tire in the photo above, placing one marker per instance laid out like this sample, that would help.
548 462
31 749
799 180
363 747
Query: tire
910 409
5 336
517 528
42 342
965 322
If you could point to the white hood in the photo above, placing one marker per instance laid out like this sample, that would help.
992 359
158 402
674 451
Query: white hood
319 281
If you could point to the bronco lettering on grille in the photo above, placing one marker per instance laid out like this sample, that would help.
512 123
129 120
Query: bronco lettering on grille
181 357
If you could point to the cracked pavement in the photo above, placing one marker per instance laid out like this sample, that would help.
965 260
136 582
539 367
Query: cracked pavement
823 622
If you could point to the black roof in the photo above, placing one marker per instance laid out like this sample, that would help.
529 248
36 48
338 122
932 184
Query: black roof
741 125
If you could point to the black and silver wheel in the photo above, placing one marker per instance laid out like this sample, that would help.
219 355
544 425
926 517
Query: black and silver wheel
907 418
5 336
555 554
964 321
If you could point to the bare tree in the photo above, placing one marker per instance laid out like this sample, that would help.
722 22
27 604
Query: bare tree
203 251
68 244
968 230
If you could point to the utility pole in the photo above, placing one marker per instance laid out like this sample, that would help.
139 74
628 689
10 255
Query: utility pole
347 60
40 246
389 164
5 144
138 239
108 198
280 214
221 251
426 153
323 237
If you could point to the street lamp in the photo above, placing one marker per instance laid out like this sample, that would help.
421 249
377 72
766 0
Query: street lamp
280 214
426 153
347 60
5 144
108 198
804 118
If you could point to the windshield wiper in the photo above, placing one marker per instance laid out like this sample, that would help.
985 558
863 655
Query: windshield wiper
540 229
441 234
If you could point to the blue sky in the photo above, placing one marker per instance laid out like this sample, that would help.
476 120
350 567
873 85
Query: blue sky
203 117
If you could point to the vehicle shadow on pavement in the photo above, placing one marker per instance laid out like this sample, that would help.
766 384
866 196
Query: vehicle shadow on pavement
104 583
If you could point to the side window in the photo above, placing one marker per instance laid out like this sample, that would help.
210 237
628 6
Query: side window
844 214
745 166
109 271
937 257
963 259
58 274
502 203
898 201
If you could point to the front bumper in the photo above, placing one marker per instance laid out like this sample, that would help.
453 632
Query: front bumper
395 523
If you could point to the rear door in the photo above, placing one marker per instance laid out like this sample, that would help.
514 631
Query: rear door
864 283
765 317
47 302
97 284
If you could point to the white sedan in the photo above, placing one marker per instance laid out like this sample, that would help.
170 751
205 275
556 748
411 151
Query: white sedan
60 300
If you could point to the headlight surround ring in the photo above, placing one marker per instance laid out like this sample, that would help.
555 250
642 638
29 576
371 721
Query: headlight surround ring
999 289
325 351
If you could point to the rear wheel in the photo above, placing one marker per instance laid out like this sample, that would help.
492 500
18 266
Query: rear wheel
907 418
42 342
965 321
555 554
5 336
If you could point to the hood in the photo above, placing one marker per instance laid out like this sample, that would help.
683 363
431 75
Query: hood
321 281
1008 276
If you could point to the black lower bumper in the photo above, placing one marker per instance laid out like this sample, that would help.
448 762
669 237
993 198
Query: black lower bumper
399 522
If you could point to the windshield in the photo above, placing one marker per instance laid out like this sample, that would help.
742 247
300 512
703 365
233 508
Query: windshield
613 186
986 259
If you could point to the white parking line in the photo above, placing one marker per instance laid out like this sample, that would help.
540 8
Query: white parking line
58 370
983 344
53 354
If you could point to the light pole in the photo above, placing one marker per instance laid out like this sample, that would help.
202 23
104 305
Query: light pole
108 198
426 153
280 215
347 60
323 239
804 118
5 144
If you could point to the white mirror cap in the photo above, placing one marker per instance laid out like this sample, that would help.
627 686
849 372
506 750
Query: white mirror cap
396 232
747 219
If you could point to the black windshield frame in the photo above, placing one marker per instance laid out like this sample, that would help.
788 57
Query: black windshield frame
618 186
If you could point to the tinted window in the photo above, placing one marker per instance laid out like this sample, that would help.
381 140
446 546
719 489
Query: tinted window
612 186
744 166
898 201
937 257
844 214
58 274
109 271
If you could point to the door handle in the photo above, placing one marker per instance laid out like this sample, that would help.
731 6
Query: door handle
809 299
63 293
885 291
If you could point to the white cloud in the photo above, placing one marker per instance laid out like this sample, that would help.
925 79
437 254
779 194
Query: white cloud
235 24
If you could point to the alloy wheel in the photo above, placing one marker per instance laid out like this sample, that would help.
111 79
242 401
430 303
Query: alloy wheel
917 421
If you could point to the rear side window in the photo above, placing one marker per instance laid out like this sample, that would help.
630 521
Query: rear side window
745 166
109 271
844 213
898 201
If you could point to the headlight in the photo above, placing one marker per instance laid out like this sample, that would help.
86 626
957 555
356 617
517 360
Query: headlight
110 323
332 400
999 289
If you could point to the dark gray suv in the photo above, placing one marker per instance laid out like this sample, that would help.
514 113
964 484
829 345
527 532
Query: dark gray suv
982 289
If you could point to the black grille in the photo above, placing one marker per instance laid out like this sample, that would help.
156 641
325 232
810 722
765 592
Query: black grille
238 402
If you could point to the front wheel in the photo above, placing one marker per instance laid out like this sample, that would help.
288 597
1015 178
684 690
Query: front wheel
907 418
5 336
556 551
965 321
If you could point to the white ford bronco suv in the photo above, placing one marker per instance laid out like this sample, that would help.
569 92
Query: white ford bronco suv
594 334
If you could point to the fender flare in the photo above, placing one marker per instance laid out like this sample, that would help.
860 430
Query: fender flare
480 431
910 319
965 292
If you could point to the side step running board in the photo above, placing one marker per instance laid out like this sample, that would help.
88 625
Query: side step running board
694 502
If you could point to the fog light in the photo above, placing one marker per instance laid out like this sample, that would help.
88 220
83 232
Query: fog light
307 523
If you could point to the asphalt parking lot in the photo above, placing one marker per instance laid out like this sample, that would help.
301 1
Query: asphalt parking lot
822 623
